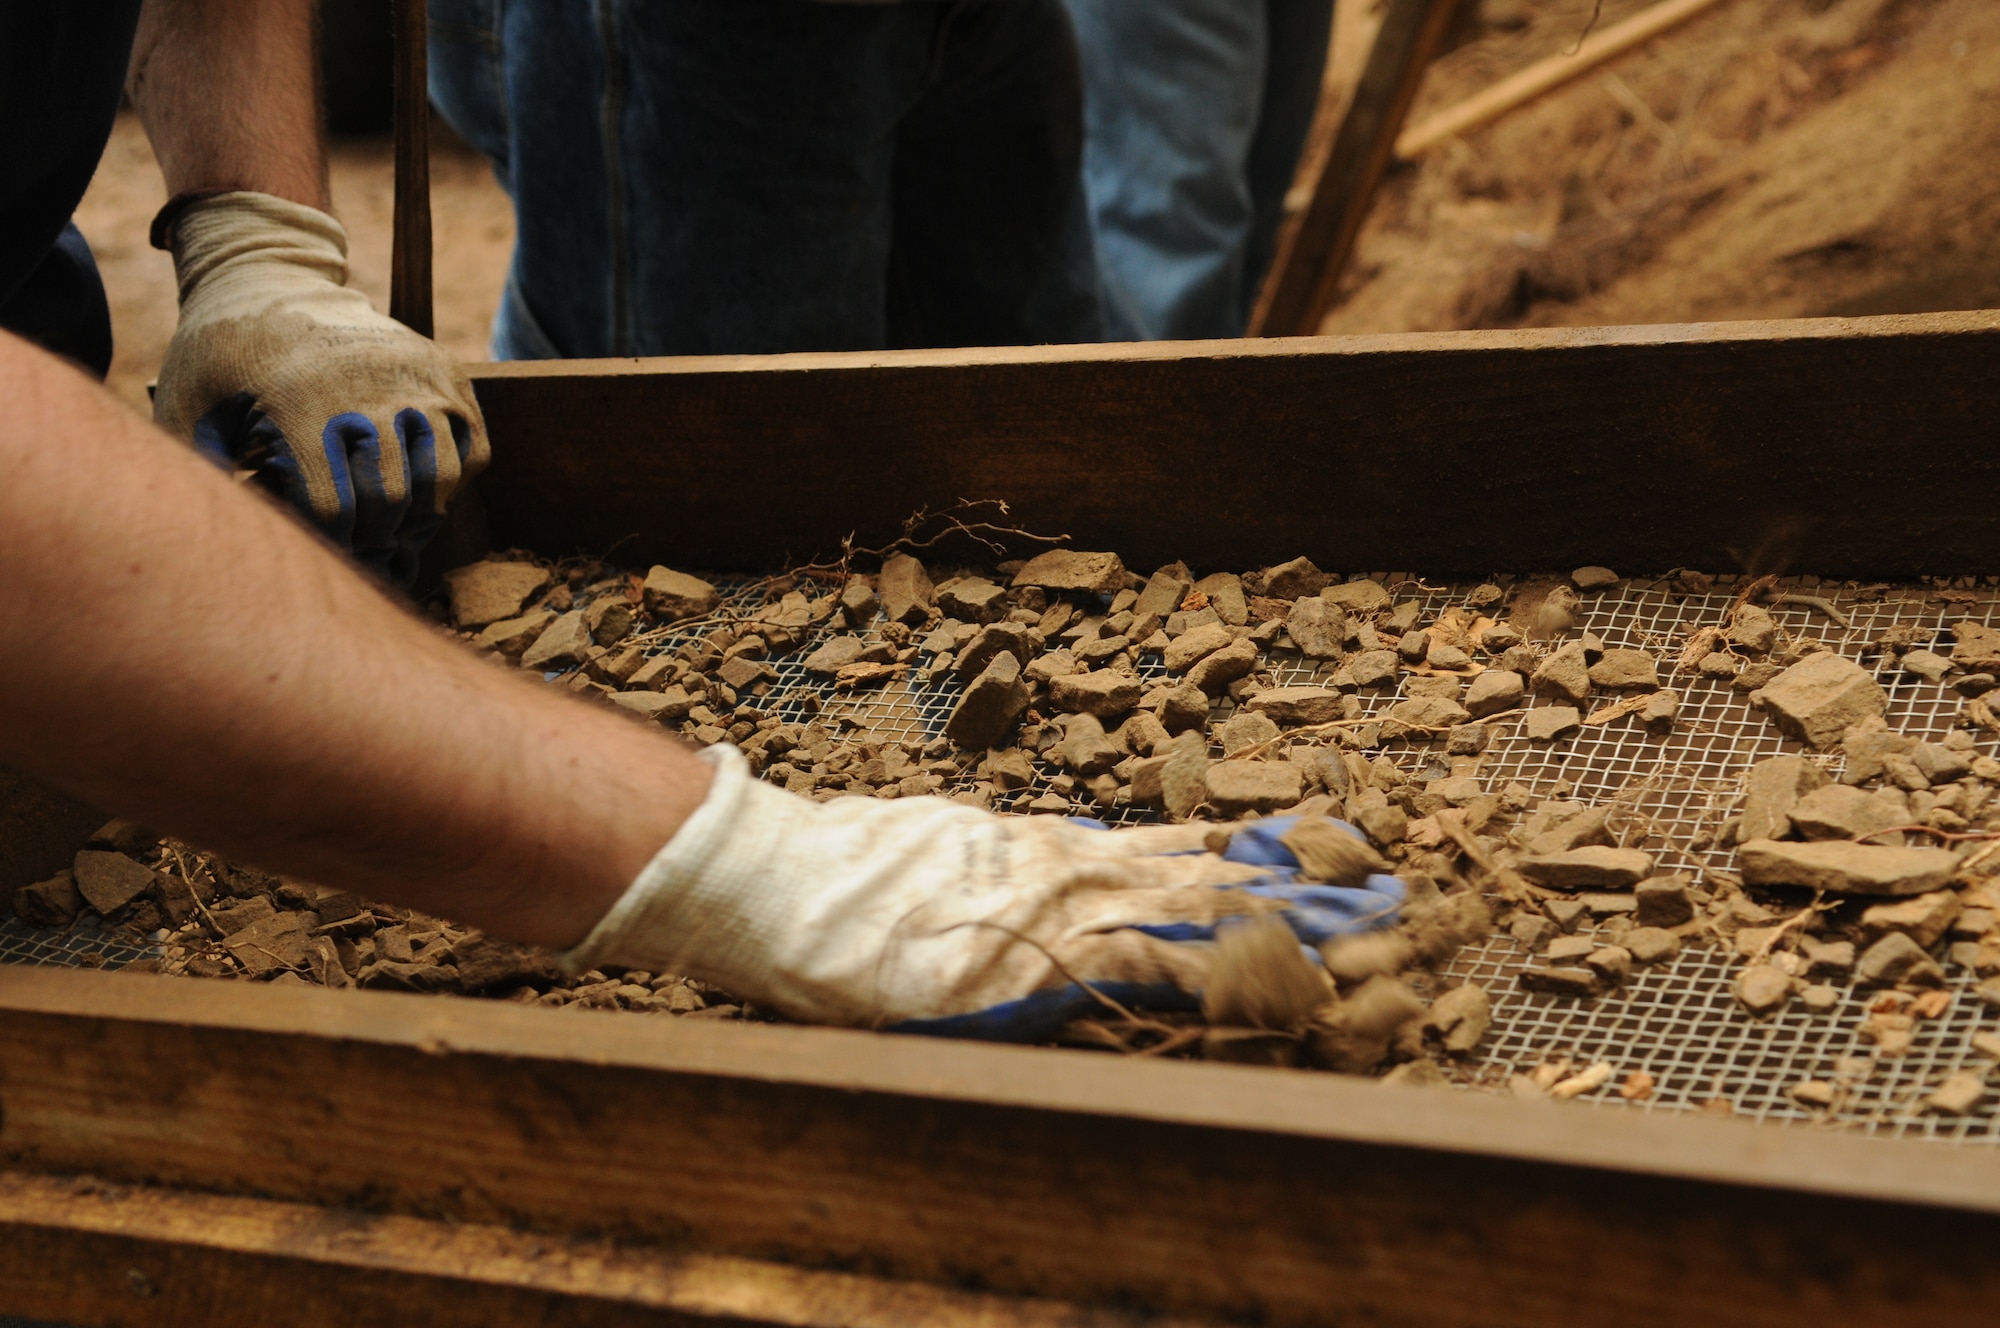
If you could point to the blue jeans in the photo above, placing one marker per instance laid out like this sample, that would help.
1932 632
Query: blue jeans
698 177
1197 112
62 71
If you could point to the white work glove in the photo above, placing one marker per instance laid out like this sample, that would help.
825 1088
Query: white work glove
938 917
279 369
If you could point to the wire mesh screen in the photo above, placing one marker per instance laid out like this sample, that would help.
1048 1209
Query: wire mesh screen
1677 1021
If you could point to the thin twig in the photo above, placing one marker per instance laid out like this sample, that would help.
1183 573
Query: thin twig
1596 13
1812 602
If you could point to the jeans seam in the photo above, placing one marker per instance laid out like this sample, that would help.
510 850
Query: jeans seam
612 113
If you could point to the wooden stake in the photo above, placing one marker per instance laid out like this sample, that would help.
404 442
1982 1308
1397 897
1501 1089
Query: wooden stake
1315 247
1546 75
410 260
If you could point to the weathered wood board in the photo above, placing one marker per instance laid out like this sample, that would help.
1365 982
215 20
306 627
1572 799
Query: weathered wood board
1864 447
1205 1191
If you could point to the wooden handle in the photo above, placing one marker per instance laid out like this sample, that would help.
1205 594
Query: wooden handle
1316 245
1545 75
410 261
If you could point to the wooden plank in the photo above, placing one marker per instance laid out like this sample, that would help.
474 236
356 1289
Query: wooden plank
410 293
1844 447
80 1250
1291 1198
1314 246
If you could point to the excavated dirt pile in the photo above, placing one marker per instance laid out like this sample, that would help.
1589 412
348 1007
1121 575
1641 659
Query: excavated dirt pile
1602 794
1768 159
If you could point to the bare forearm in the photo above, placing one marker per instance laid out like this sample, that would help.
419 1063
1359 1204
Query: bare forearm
228 91
174 649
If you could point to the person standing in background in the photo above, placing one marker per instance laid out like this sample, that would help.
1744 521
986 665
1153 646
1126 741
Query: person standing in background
1196 112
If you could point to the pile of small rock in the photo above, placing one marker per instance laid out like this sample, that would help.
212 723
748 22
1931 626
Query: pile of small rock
1075 684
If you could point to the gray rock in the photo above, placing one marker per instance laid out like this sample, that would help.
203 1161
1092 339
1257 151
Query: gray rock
1372 668
1164 591
1461 1017
837 652
858 603
489 592
1593 578
1959 1095
1941 764
1625 670
563 643
1499 639
1568 914
1763 989
1660 709
1359 598
974 599
1926 664
1087 749
1564 674
1421 712
1011 637
1840 811
1441 656
1217 671
1467 740
992 703
1611 963
1494 691
1235 787
1820 998
1652 945
1318 627
1183 780
1414 646
1225 596
1246 729
1547 723
1293 579
1383 825
1104 693
1534 932
1065 569
905 589
1663 901
1183 708
1609 906
1582 868
1753 630
1924 919
109 881
1867 745
1842 868
1822 696
1304 705
1896 958
1827 959
1560 981
671 596
1772 788
1191 647
1581 829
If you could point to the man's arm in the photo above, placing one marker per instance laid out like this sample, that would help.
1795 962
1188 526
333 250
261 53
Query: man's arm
174 650
228 91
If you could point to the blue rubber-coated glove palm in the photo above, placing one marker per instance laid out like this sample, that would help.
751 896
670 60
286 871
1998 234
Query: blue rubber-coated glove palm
931 916
277 368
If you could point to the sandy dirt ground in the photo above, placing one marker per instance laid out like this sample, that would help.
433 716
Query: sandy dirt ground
472 220
1771 158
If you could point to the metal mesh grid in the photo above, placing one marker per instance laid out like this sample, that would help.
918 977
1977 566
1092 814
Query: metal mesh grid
1677 1021
83 945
